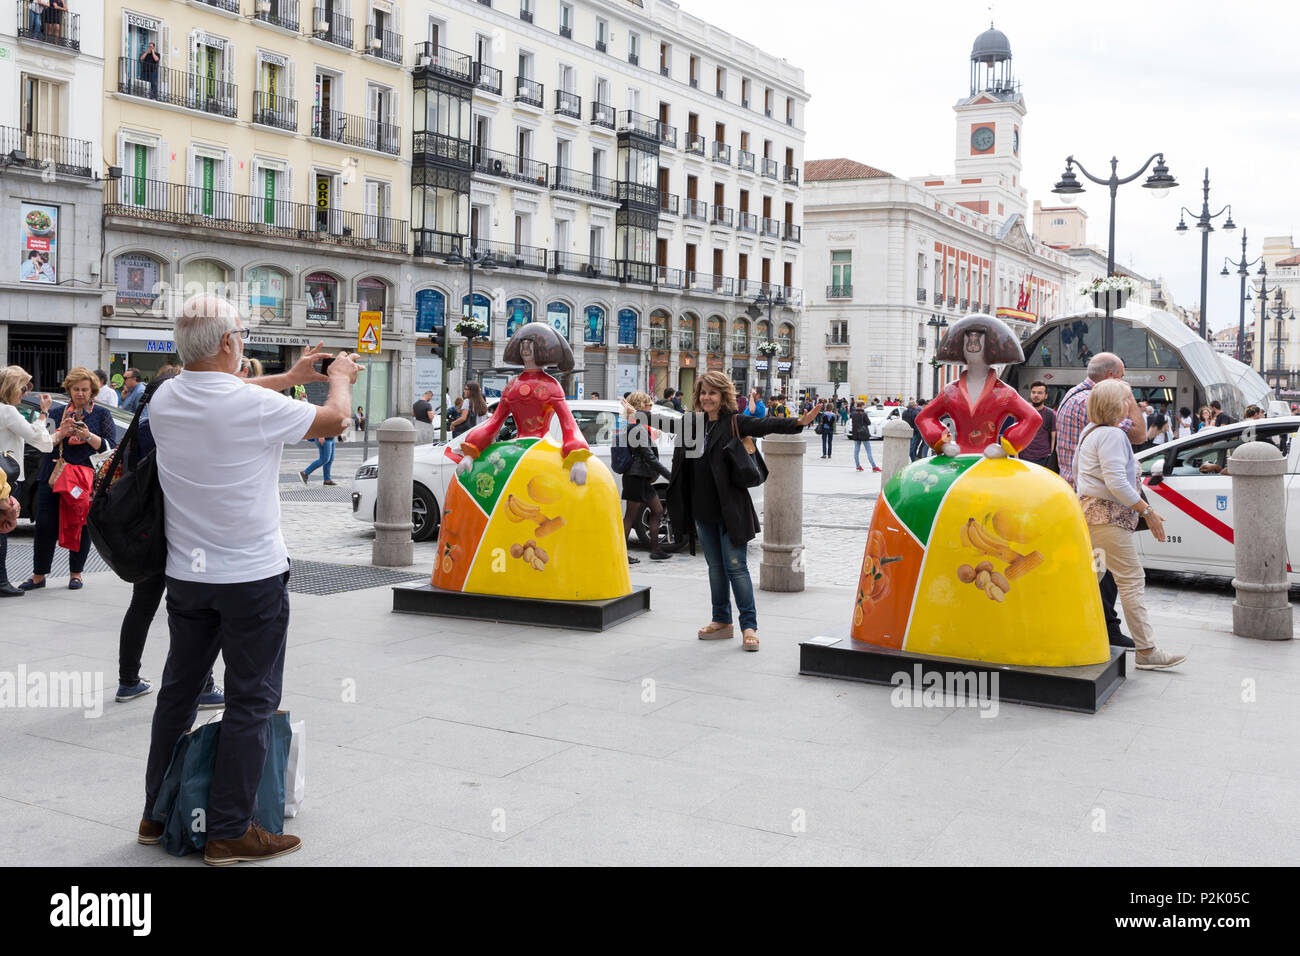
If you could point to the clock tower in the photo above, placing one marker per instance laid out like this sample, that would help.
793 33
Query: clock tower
989 125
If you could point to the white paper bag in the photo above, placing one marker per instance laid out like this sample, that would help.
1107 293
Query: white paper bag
295 772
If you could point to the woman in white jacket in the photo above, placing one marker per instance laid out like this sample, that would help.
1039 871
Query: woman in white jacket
16 431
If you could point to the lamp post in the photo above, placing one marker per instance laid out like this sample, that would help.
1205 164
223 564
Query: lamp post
1243 269
1204 222
484 261
938 323
1159 182
1280 312
1262 292
769 300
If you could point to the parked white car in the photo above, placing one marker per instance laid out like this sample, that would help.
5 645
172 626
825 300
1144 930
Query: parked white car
1185 483
877 415
598 420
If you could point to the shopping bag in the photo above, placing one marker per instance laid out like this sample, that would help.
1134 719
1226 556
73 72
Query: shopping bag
183 798
295 772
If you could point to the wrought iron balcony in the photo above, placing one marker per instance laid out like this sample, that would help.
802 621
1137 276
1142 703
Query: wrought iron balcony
793 296
704 282
633 59
436 244
71 157
591 267
190 90
602 114
668 203
695 144
667 135
635 122
837 338
697 209
487 78
952 302
669 279
332 28
790 175
723 216
278 13
529 91
663 69
722 152
566 32
745 160
640 273
963 305
583 184
839 292
753 288
695 82
568 104
444 62
637 193
791 232
359 131
747 222
510 255
522 170
525 15
920 295
938 297
772 227
384 44
601 47
769 168
438 147
277 111
194 206
985 308
43 25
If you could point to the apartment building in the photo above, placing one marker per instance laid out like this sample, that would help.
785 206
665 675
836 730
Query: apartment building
50 163
633 173
260 148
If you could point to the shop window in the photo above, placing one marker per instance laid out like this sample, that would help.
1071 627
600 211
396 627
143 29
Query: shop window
593 330
205 276
786 340
557 317
138 279
658 330
322 298
430 311
627 323
372 295
266 294
740 337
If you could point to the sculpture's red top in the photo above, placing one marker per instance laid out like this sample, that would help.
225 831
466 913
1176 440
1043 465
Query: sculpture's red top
977 424
532 398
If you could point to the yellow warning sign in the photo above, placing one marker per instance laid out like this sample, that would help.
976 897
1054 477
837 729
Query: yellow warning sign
368 334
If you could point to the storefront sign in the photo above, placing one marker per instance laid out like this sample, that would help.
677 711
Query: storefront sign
625 377
428 376
257 338
38 243
137 278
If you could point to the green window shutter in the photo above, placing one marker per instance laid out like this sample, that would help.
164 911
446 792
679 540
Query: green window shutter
141 174
209 170
269 212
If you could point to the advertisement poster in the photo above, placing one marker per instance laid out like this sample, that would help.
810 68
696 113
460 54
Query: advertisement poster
625 378
594 327
519 312
322 294
557 317
482 308
428 377
627 326
265 293
430 310
38 260
137 280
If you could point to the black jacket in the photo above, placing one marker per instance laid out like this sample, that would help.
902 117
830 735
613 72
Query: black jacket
644 461
738 515
861 429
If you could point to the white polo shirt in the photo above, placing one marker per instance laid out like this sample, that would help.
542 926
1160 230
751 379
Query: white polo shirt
219 442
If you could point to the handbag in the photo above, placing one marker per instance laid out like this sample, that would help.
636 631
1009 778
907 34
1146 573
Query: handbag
57 470
126 511
295 771
9 465
748 469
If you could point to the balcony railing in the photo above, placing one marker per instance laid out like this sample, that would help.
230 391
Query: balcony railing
747 222
704 282
55 27
633 59
592 267
277 111
669 279
938 297
668 203
194 206
640 273
279 13
667 135
790 175
637 193
791 232
753 288
837 338
190 90
359 131
638 123
445 62
602 114
723 216
985 308
332 27
566 32
663 69
439 147
72 157
920 295
952 302
963 305
529 91
568 104
601 47
509 255
525 15
839 292
770 167
384 44
772 227
522 170
695 144
433 243
745 160
583 184
722 152
487 78
697 209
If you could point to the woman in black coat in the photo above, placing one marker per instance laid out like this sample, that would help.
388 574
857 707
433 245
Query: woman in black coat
642 469
702 493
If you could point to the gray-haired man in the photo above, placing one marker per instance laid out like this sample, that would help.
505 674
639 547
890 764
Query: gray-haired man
219 443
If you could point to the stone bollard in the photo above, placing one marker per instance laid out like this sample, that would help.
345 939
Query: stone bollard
895 455
1262 609
782 565
393 547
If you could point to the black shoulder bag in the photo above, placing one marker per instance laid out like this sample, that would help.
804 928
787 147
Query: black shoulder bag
126 511
748 470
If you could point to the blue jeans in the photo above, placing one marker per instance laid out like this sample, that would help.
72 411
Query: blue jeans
827 436
727 563
325 458
918 448
857 448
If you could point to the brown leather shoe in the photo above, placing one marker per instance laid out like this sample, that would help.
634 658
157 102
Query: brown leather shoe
256 844
150 832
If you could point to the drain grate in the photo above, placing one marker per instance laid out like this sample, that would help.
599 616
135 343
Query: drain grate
21 560
317 577
337 495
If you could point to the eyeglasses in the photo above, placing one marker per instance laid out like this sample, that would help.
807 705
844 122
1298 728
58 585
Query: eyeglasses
241 332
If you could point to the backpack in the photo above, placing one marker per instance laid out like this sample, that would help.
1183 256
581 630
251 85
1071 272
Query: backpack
620 456
126 511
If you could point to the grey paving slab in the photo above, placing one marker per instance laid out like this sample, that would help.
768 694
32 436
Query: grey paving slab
460 746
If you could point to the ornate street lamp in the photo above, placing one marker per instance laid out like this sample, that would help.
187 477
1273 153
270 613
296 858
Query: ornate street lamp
1242 266
938 323
769 301
1204 222
1280 312
484 261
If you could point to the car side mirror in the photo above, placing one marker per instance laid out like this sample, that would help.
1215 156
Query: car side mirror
1157 472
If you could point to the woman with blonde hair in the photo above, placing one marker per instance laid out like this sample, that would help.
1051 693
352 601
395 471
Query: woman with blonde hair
640 472
1106 479
704 495
82 429
15 432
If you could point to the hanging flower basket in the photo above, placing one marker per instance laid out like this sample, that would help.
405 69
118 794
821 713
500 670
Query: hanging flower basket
472 328
768 348
1114 290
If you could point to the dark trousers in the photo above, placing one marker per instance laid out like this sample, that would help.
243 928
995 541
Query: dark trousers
917 448
1045 462
827 437
4 558
145 598
1109 595
47 535
248 624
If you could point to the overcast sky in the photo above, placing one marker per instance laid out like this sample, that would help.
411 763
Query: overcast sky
1209 84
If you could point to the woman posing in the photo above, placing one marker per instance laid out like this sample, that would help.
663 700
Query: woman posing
702 494
16 431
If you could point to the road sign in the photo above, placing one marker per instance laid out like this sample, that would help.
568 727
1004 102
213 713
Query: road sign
368 334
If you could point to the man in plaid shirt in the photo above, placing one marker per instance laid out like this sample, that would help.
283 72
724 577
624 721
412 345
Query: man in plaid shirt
1071 419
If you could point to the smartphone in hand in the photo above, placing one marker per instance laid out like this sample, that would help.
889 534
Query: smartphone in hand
323 366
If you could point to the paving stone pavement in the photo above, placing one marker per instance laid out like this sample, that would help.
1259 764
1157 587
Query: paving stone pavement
434 741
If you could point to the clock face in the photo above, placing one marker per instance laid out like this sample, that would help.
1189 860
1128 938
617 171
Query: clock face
1015 142
981 139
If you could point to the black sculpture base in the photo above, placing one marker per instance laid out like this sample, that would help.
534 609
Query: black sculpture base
571 615
1082 689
